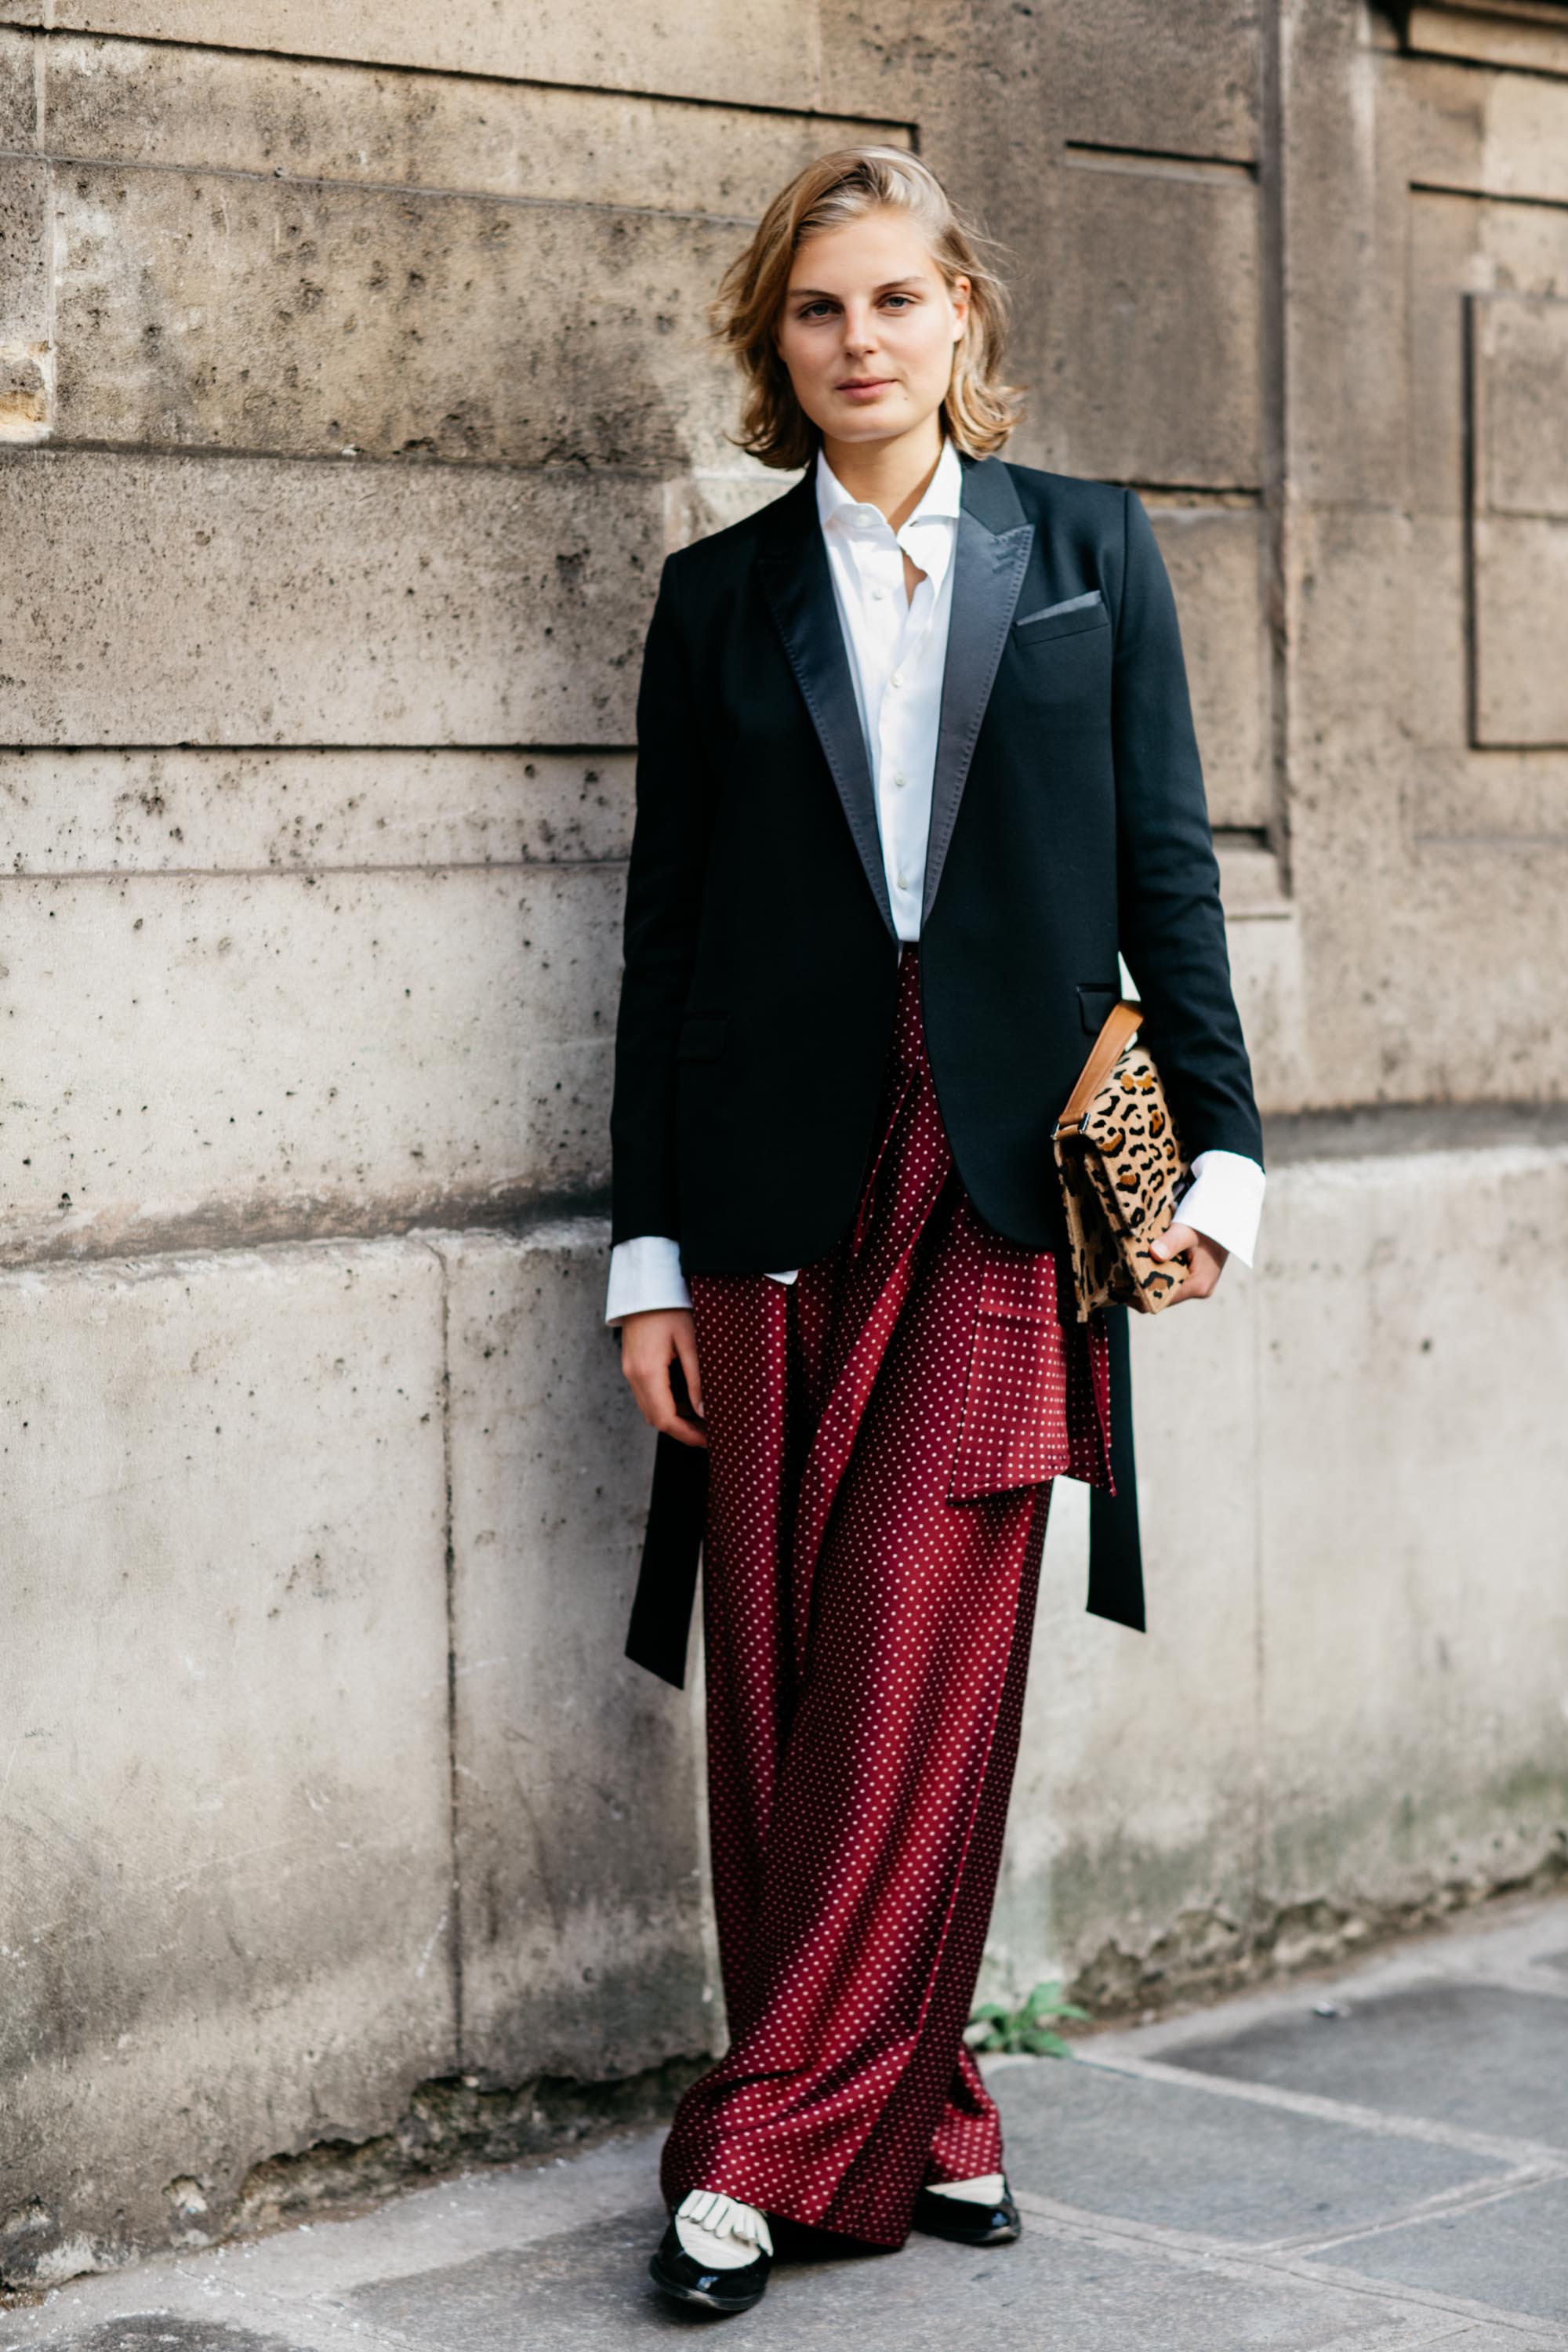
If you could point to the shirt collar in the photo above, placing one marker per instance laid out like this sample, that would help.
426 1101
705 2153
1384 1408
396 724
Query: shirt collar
941 500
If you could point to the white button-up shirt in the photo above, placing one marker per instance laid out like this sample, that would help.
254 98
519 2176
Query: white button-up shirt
897 646
897 653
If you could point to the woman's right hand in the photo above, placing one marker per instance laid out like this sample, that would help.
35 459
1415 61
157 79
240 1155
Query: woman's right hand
650 1344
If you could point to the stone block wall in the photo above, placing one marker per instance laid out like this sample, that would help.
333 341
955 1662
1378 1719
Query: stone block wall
354 384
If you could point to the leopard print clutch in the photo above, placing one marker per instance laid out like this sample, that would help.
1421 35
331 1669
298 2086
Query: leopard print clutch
1122 1170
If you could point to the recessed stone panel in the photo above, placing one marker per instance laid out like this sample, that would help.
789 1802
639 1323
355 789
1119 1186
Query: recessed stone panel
167 599
1214 560
1143 346
1519 367
1519 359
1521 630
1139 74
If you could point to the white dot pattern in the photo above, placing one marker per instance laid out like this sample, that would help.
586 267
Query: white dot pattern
882 1434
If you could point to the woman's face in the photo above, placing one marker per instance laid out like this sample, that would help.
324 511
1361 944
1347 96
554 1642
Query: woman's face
868 327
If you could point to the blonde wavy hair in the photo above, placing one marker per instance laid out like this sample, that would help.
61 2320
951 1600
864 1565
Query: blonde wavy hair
979 409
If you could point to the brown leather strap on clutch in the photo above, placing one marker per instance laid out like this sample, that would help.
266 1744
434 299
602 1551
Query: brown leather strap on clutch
1122 1171
1121 1026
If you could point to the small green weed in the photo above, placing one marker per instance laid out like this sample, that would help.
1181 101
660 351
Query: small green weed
1028 2030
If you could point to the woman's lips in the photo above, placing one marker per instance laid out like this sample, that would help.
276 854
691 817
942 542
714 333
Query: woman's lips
867 389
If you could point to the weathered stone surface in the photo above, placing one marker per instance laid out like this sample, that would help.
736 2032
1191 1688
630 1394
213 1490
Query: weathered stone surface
583 1886
1399 1408
160 103
266 1053
760 55
1520 361
18 91
1521 630
258 314
228 812
1346 173
26 357
1215 558
1135 1800
1196 90
1410 955
1489 37
1143 357
221 600
225 1904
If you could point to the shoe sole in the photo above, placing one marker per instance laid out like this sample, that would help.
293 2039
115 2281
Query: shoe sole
678 2293
967 2237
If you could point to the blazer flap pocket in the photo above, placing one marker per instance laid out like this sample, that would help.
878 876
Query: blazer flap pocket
701 1036
1064 620
1097 999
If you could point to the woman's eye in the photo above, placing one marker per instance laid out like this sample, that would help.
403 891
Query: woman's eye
815 311
901 298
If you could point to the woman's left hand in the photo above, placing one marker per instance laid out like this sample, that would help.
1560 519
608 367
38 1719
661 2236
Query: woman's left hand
1206 1259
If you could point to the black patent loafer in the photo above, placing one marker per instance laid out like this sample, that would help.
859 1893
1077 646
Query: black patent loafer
997 2224
680 2276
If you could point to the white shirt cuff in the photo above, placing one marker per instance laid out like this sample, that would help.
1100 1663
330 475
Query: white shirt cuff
1224 1201
645 1273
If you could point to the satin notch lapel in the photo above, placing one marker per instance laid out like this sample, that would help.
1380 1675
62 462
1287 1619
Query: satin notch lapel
799 591
988 573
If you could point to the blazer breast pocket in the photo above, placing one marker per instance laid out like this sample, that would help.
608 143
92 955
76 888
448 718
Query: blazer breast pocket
1097 1000
1068 618
701 1036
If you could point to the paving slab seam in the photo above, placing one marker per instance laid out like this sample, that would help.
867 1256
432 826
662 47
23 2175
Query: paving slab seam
1467 2196
1226 2258
1521 1978
1187 2247
1541 2334
1463 2199
1515 2153
1398 2338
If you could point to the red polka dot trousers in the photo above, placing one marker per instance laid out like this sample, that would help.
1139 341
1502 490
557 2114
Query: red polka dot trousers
882 1434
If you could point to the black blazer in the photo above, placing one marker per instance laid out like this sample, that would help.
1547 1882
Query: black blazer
1068 822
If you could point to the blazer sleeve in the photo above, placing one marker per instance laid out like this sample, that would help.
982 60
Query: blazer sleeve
1172 923
664 896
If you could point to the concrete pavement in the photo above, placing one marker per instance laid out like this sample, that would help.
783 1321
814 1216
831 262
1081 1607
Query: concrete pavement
1347 2164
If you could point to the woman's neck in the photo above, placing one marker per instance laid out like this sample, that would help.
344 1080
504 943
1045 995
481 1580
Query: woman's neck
892 476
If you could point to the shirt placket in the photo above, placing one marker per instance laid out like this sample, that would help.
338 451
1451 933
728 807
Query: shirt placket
895 730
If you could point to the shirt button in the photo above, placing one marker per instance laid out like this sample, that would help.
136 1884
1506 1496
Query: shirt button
878 595
895 678
901 880
899 777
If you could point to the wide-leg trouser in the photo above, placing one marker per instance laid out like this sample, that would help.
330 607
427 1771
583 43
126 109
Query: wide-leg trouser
882 1434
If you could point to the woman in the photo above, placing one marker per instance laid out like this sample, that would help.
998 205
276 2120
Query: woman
915 763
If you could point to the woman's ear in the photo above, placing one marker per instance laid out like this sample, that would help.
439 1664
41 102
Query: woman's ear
958 295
